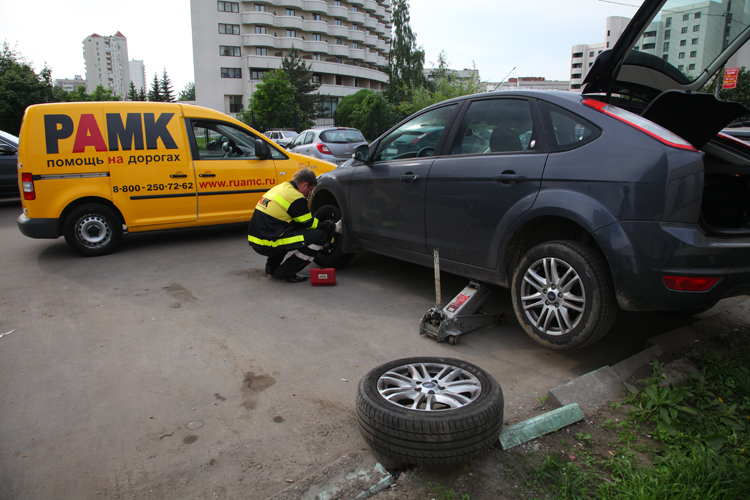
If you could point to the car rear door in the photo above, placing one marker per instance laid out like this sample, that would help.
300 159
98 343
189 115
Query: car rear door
491 174
387 195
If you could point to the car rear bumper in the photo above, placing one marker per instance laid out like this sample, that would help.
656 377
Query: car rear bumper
641 253
37 228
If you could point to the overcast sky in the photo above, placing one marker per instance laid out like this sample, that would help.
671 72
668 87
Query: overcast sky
534 36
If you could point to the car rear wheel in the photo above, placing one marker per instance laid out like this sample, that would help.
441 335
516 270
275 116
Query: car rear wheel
432 411
563 295
93 229
332 255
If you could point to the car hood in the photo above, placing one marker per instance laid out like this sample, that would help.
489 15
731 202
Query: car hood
662 34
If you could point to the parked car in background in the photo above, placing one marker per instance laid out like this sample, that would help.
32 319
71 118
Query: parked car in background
8 165
621 197
334 144
281 137
742 133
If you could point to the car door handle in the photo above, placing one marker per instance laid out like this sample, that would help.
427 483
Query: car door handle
510 177
206 175
174 176
409 177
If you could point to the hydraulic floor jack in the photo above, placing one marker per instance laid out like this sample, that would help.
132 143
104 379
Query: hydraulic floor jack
462 315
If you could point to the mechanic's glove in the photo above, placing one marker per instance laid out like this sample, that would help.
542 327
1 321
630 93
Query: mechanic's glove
327 226
339 226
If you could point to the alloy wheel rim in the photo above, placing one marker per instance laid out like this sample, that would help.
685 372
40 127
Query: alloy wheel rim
429 387
553 296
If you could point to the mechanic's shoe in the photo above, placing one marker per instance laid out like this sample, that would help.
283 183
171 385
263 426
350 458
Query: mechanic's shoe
294 278
269 269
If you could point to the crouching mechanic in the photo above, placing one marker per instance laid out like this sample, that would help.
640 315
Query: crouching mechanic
282 223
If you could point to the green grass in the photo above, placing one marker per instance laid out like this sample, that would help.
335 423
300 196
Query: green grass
700 434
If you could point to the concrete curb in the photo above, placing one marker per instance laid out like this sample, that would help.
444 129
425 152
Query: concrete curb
596 388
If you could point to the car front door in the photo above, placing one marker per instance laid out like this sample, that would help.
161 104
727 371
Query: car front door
229 177
491 175
387 195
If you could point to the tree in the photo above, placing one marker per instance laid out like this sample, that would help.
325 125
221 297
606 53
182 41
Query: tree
102 94
446 85
373 115
132 92
154 94
272 105
300 75
347 106
167 91
740 94
405 61
20 87
188 93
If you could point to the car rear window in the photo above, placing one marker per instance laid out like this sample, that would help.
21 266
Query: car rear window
566 130
342 136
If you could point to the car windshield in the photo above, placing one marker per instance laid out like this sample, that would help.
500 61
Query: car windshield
342 136
9 137
688 35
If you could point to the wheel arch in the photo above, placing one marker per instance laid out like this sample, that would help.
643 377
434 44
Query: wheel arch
82 201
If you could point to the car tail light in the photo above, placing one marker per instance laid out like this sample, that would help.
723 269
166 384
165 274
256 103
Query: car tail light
646 126
323 148
27 185
689 283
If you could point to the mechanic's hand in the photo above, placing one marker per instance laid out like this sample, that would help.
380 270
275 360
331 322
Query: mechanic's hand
327 226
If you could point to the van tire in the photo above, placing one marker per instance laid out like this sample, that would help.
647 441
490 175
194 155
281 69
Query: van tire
93 229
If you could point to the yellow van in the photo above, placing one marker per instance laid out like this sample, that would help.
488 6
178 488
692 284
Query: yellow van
94 171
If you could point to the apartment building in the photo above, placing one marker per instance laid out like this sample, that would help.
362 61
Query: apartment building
106 59
345 42
137 75
70 84
582 56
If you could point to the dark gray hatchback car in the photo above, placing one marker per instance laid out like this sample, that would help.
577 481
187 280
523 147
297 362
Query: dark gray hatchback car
622 197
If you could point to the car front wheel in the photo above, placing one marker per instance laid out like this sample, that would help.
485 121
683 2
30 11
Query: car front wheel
563 295
331 255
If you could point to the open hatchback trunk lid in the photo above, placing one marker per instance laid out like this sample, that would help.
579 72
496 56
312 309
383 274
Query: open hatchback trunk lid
670 50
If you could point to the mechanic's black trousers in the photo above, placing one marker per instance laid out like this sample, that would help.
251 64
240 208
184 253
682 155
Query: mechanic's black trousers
303 252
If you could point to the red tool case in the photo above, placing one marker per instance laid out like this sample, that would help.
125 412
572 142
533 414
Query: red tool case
323 277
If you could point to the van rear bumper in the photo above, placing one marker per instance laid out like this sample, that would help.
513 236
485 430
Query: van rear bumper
38 228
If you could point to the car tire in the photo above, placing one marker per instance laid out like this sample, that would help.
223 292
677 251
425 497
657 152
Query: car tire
446 427
93 229
563 295
332 255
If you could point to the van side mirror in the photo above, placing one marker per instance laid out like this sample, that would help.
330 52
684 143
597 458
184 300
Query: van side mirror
261 149
362 153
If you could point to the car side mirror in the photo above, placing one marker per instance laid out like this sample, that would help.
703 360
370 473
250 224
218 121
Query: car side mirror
362 153
261 149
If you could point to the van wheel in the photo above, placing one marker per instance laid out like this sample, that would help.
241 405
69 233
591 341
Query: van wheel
331 255
93 229
563 295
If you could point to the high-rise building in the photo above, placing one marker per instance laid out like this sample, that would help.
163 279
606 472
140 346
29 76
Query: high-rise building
345 42
137 75
106 59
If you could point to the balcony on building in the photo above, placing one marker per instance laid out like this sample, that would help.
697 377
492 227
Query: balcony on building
370 5
337 11
316 6
356 17
290 22
339 31
316 27
262 18
356 35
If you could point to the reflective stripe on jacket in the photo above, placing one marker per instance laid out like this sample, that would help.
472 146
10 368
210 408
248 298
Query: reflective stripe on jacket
280 209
